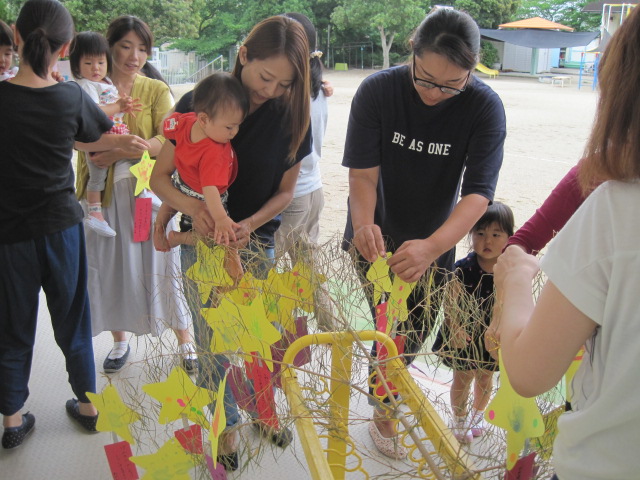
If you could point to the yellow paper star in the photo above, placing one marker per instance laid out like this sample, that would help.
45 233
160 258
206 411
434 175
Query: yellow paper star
180 396
171 461
241 326
247 290
544 444
378 275
519 416
208 271
114 416
218 422
280 308
400 291
142 171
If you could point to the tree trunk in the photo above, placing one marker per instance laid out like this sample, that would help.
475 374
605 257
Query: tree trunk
386 46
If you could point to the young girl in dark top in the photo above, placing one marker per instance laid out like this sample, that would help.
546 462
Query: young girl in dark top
42 241
460 341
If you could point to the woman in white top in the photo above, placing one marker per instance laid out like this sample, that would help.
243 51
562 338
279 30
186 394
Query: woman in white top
591 295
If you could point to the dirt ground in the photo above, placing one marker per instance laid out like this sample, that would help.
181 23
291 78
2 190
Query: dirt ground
547 127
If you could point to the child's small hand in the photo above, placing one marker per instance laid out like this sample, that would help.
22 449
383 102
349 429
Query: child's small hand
224 231
129 105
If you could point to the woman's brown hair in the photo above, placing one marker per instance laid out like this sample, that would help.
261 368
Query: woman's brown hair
280 35
613 150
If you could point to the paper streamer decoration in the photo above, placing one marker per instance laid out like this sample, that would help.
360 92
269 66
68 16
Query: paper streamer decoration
191 439
258 372
142 219
118 455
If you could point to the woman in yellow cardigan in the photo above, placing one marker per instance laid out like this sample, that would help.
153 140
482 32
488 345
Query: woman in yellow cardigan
132 288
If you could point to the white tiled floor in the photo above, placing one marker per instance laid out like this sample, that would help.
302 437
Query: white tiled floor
58 449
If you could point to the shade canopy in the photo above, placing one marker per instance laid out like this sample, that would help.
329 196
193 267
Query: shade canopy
540 38
536 23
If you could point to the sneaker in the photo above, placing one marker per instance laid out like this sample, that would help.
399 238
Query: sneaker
461 430
101 227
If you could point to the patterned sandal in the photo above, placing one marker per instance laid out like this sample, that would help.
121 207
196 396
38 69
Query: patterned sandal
391 447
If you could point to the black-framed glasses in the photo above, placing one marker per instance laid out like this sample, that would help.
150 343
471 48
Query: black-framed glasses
421 82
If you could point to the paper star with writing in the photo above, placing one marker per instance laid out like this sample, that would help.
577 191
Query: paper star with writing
218 421
544 444
246 291
397 309
241 326
171 461
208 271
142 172
179 396
114 416
378 275
519 416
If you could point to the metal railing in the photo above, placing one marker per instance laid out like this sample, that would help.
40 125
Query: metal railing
216 65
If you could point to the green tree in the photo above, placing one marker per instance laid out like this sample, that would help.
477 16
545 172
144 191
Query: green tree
560 11
387 18
488 13
166 18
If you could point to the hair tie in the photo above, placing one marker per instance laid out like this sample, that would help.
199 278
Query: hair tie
316 54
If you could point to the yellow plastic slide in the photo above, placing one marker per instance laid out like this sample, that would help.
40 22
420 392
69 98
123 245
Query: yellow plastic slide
489 71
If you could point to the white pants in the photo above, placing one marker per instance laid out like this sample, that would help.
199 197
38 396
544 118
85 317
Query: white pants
300 222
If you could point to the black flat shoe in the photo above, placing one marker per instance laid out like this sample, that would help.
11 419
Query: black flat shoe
14 436
229 461
113 365
281 437
88 422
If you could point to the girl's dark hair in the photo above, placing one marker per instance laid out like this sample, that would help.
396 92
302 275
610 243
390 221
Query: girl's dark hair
277 36
612 150
499 213
315 63
90 44
121 26
44 27
150 71
217 92
6 35
450 33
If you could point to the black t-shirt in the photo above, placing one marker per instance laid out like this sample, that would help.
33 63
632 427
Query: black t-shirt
262 147
423 151
38 128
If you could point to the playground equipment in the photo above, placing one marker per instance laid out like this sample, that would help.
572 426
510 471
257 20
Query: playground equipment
445 459
487 71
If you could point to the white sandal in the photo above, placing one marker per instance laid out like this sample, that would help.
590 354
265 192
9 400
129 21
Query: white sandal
391 447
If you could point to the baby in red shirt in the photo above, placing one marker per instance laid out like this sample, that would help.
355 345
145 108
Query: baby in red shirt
205 161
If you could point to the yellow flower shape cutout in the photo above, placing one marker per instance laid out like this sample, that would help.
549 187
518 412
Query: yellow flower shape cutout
378 275
171 461
519 416
142 172
114 416
180 396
